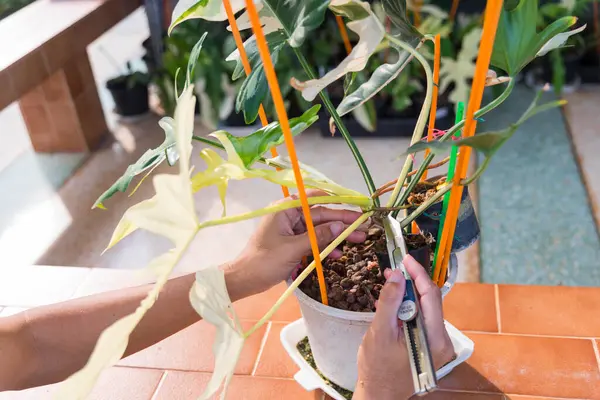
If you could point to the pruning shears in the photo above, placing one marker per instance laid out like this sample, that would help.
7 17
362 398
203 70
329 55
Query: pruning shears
409 313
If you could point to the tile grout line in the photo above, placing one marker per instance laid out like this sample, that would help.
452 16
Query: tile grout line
595 346
159 385
501 393
263 344
529 335
497 301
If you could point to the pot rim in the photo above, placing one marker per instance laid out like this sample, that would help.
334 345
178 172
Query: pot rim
368 316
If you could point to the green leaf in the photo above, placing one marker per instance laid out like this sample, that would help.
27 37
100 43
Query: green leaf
252 94
396 10
275 41
380 78
195 53
370 32
386 73
366 116
150 159
298 17
250 148
517 41
488 143
558 40
349 9
210 10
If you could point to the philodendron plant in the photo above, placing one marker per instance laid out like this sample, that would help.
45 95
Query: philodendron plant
287 23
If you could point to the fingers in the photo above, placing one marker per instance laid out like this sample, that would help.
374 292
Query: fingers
389 302
325 235
423 282
321 215
430 298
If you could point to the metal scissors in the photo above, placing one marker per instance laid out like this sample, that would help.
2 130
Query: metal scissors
409 313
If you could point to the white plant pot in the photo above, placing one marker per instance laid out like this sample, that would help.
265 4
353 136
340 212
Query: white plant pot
335 335
310 380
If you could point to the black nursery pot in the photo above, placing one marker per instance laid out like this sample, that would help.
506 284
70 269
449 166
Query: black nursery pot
129 100
422 255
467 227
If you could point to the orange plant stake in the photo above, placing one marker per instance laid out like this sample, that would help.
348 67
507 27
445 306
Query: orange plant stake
436 82
490 26
417 12
247 69
263 49
454 9
343 33
433 110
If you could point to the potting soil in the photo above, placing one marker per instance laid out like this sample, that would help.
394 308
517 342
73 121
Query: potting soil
303 347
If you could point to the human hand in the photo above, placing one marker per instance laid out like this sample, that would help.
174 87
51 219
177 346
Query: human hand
383 365
280 241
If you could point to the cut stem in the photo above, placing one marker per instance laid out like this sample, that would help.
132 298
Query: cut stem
421 121
307 271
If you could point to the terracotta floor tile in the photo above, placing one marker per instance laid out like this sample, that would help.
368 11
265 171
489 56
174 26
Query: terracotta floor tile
526 365
255 307
189 385
549 310
518 397
115 383
451 395
191 350
472 306
274 360
39 285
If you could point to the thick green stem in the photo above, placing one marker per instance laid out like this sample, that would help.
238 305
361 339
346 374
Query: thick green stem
489 107
421 121
340 125
307 271
413 215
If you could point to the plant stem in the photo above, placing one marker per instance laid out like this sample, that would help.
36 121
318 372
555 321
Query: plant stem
489 107
307 271
210 142
477 173
340 124
413 215
421 121
353 200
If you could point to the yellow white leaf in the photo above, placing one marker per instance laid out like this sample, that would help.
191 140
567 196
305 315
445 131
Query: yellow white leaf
170 213
234 169
210 299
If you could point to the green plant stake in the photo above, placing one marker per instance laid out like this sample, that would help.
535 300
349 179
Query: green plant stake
460 111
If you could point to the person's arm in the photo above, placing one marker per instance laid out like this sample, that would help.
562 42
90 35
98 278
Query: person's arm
47 344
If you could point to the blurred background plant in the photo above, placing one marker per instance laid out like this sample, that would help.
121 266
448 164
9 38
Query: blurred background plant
396 107
8 7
